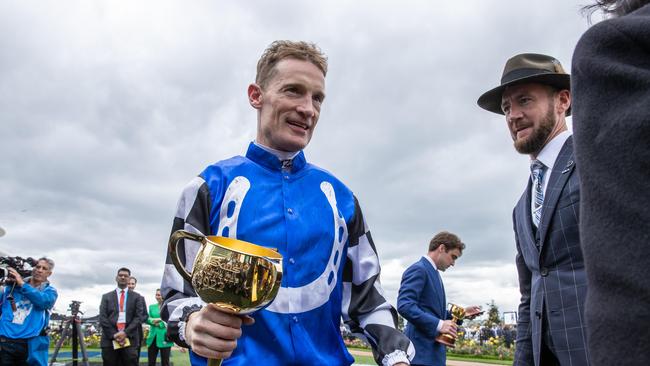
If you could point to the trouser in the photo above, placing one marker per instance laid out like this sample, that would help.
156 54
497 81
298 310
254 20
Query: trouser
128 356
13 352
546 356
152 353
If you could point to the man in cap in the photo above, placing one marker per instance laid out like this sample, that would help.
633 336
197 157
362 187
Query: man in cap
534 96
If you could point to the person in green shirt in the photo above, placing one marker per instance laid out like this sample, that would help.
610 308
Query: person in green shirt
157 332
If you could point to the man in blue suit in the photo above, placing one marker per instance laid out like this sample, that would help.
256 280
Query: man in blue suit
422 302
534 96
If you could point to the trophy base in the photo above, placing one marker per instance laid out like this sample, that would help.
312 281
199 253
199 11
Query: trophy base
446 340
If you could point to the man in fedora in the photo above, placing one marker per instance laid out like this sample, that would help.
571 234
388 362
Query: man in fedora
534 96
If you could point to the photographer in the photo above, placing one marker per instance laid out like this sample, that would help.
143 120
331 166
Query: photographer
26 305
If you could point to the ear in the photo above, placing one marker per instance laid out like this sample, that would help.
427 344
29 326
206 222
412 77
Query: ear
564 101
255 96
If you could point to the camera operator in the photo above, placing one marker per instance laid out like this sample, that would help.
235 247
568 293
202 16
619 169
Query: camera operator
26 306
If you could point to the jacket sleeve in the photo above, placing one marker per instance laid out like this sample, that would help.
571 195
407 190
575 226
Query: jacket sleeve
408 302
42 300
524 349
149 318
108 329
365 309
193 215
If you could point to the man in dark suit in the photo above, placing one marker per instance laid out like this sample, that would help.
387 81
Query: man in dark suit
121 314
534 96
422 301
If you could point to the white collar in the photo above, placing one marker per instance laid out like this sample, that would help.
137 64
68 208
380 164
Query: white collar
551 150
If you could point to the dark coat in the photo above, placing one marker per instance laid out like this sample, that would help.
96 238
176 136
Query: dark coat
422 302
552 278
611 120
136 314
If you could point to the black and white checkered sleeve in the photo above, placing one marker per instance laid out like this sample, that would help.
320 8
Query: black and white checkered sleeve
365 309
193 215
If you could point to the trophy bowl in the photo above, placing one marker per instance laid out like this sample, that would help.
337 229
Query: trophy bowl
457 315
236 276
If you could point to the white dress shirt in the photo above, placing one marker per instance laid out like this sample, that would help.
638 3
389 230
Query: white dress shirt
547 156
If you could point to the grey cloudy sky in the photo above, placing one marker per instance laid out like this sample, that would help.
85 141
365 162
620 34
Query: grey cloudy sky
108 108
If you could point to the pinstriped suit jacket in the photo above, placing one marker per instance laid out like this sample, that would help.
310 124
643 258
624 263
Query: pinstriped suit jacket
550 264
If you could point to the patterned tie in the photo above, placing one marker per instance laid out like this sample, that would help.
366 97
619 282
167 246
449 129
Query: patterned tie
121 326
537 173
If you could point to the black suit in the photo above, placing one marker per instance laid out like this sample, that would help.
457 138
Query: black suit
136 314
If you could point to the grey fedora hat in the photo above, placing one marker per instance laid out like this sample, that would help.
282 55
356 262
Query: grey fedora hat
526 68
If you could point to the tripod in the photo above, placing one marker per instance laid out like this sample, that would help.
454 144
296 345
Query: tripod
72 328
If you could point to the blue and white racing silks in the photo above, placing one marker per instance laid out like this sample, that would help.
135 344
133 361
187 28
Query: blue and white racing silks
330 266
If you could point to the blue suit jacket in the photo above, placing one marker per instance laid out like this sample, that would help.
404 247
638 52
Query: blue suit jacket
422 302
551 269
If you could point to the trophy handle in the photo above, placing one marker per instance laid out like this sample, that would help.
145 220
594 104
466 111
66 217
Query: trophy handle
173 250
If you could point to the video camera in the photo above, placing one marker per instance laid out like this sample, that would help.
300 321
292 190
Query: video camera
19 264
74 308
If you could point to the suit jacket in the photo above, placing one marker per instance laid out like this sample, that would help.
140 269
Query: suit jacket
136 314
157 332
422 302
550 264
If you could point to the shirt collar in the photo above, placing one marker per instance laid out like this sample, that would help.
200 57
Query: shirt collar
282 155
39 287
550 151
265 156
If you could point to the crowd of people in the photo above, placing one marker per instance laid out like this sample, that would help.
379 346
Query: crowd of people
27 303
274 197
580 229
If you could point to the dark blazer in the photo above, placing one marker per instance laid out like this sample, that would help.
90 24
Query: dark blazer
550 264
136 314
422 302
611 118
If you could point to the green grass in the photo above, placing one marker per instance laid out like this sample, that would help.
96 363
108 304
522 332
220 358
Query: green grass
183 359
179 358
479 360
365 360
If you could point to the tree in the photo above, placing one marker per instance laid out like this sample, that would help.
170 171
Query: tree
493 315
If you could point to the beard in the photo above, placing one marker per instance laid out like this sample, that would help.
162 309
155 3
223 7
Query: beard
534 143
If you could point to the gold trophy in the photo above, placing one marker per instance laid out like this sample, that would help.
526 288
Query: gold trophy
236 276
457 315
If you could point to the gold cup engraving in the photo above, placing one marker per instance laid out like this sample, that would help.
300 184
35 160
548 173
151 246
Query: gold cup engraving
236 276
457 315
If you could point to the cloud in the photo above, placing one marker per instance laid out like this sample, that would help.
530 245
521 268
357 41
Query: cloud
107 109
